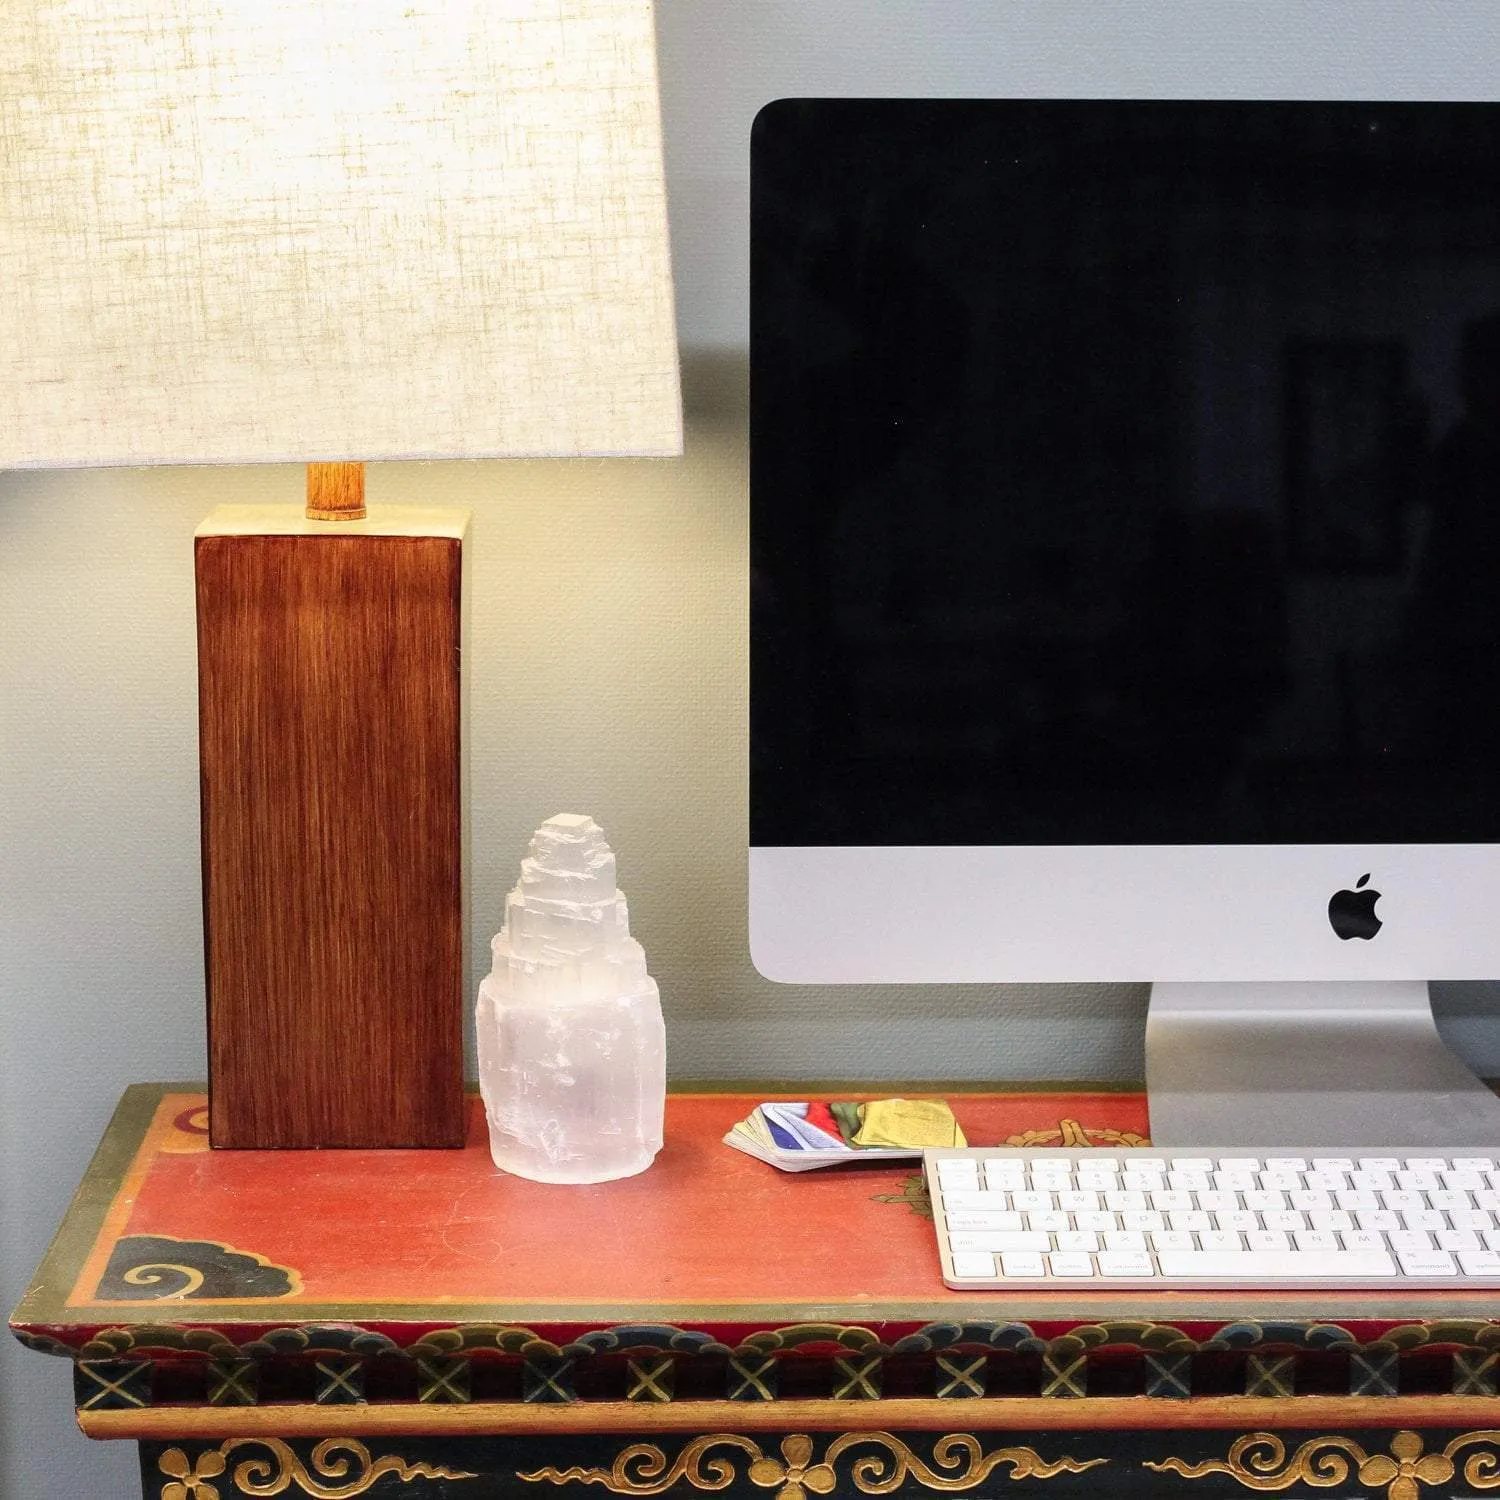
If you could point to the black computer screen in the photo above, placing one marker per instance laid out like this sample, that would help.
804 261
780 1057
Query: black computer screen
1125 473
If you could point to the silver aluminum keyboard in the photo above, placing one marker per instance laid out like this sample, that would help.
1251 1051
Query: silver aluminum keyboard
1170 1218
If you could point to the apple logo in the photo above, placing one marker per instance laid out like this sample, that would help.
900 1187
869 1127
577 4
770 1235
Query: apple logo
1352 913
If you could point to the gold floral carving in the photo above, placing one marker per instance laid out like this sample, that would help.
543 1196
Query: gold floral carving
958 1462
340 1469
1072 1135
1259 1462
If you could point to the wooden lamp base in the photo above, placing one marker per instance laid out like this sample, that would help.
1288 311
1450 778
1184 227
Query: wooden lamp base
329 713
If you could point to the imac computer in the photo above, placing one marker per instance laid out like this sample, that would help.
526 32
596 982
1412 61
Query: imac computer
1125 497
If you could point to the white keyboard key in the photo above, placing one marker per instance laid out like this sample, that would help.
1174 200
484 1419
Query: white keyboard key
1098 1222
1218 1202
1235 1182
1268 1239
972 1263
1422 1218
1125 1263
1005 1163
968 1200
1166 1199
1171 1239
1005 1182
1124 1239
1491 1238
1071 1265
997 1240
1426 1263
1255 1267
1052 1221
1374 1182
1096 1182
1471 1218
1146 1163
1457 1239
1426 1163
954 1167
1405 1198
1479 1262
1379 1164
1146 1222
1410 1239
1417 1182
1486 1198
1192 1164
1363 1239
1330 1218
1032 1201
1313 1239
1286 1163
1239 1164
1082 1241
1220 1239
1075 1201
990 1220
1474 1163
1237 1219
1327 1182
1385 1219
1462 1182
1189 1182
1333 1164
1193 1220
1283 1218
1308 1199
1448 1198
1018 1263
1262 1199
1357 1198
1121 1199
1280 1181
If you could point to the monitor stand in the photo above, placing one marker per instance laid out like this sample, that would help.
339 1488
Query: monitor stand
1318 1064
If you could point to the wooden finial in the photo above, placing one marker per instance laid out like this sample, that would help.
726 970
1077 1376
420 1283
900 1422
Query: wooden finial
335 492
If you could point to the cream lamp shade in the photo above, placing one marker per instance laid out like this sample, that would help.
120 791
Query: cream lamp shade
239 231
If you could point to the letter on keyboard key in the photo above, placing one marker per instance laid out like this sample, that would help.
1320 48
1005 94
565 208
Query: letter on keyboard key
1125 1263
969 1263
997 1241
1426 1263
1070 1265
1252 1267
1021 1263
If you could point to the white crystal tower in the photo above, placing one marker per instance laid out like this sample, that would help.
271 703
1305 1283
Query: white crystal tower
572 1049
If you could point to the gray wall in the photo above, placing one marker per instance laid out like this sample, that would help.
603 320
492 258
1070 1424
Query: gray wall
629 703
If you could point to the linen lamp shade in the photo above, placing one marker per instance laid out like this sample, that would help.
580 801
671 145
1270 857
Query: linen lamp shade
237 231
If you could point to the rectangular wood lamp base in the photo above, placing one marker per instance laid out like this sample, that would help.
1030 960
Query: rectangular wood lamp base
329 717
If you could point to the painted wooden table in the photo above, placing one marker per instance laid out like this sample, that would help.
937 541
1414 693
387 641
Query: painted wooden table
416 1324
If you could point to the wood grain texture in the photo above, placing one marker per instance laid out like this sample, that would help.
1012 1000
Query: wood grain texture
329 744
992 1414
336 492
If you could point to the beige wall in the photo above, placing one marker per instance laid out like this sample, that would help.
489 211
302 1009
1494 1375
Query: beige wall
607 656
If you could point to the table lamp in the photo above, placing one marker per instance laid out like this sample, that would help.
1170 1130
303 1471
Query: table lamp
249 231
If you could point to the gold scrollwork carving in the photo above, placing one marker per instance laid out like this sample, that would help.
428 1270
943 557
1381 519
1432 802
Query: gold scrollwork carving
1259 1462
958 1462
340 1469
160 1272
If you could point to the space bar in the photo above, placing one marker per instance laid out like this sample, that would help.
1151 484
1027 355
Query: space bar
1251 1266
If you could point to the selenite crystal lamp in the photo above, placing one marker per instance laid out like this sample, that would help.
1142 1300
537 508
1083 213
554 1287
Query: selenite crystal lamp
572 1047
253 231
